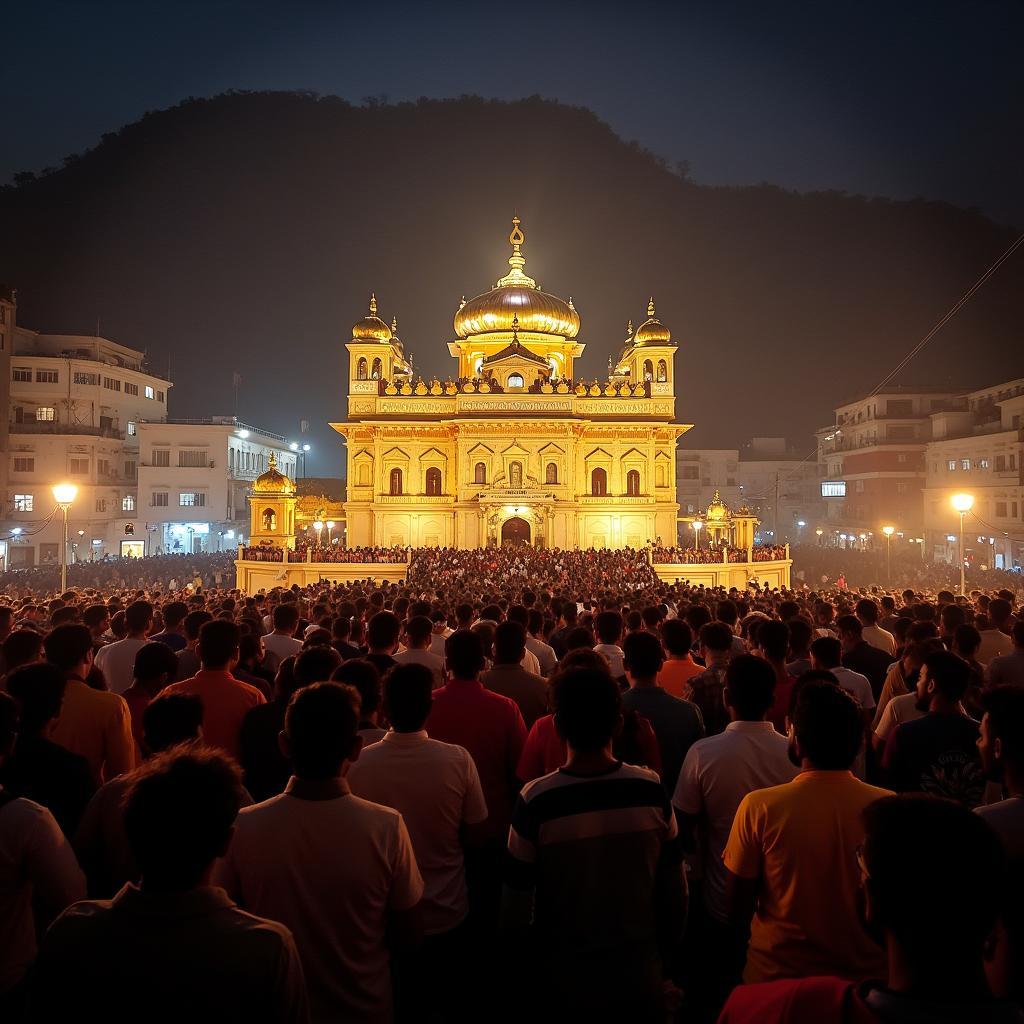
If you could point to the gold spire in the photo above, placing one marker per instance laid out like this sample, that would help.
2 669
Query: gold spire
650 306
462 302
516 261
571 306
273 460
394 325
515 329
629 328
373 304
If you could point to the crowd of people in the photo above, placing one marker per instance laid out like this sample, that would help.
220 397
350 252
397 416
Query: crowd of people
715 554
520 784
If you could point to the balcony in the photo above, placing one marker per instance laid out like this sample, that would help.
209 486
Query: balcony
55 429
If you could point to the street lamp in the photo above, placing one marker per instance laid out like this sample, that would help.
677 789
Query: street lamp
330 531
319 527
64 495
888 531
819 531
963 503
697 524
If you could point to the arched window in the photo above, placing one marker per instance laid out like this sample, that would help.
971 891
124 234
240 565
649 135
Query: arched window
551 473
633 483
269 519
396 481
376 370
480 473
599 482
648 370
660 477
361 368
231 460
515 474
662 371
515 380
433 481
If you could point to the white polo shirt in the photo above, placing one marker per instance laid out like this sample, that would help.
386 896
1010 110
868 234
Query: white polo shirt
117 662
432 661
858 685
436 788
718 772
278 647
902 708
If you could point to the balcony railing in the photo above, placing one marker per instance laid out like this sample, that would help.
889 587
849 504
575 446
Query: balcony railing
52 427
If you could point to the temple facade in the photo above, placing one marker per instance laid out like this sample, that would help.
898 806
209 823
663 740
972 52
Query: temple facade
512 446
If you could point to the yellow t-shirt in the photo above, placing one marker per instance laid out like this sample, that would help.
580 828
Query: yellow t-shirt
801 840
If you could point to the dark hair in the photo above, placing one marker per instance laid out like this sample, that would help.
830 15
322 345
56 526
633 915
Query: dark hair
154 660
800 633
867 610
8 721
195 621
171 719
716 636
727 612
949 673
676 636
773 639
321 725
341 627
828 725
828 651
365 678
39 691
21 647
1018 632
418 629
95 614
999 610
966 640
509 643
750 686
138 615
174 613
383 630
588 705
408 695
850 624
286 617
218 643
178 813
608 627
67 645
1004 706
642 655
578 636
315 665
464 654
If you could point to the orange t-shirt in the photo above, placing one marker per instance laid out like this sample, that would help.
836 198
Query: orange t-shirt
675 674
226 701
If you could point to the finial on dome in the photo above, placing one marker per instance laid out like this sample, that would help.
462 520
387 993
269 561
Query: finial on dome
515 329
516 261
571 306
650 306
394 325
273 460
516 237
462 302
629 328
373 304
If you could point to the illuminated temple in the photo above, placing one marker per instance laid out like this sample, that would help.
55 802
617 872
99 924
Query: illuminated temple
511 446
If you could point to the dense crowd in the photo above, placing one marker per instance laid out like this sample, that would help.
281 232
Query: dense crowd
521 784
715 554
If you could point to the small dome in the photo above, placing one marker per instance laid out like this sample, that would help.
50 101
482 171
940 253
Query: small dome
652 331
371 327
273 481
718 509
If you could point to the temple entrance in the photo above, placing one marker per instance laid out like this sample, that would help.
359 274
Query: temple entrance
515 531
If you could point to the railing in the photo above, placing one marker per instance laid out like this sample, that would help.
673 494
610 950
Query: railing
54 427
448 388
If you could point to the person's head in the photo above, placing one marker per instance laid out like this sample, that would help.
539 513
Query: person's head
749 687
951 618
850 630
408 695
588 708
509 643
155 667
939 926
826 652
6 620
642 657
716 640
179 815
69 647
39 691
97 618
800 633
138 618
417 632
966 641
22 647
773 641
1017 632
194 622
866 611
382 632
676 638
174 613
315 665
321 730
172 719
942 682
1001 739
727 612
608 626
464 655
286 618
218 644
826 726
1000 611
365 679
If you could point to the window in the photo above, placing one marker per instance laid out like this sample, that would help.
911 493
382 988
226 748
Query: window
46 377
194 457
982 463
361 368
633 483
159 499
101 504
150 393
130 469
160 396
161 456
22 373
81 377
551 473
111 383
515 474
128 503
80 467
662 371
648 370
103 466
24 503
396 481
951 465
375 370
269 520
24 465
231 460
1000 509
190 499
45 414
131 389
965 464
833 488
599 482
691 472
901 457
433 482
859 487
901 487
515 380
132 429
480 473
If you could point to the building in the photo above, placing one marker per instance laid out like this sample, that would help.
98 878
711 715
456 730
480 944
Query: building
780 484
74 407
977 447
872 463
321 500
703 472
511 447
194 477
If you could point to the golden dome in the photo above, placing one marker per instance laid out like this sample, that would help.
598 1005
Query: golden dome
652 331
272 482
717 509
371 327
517 295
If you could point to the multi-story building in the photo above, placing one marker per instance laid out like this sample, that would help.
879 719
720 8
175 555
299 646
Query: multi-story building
73 413
781 485
194 476
700 472
872 461
978 448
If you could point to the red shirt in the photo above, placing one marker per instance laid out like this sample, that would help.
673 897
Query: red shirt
491 728
226 701
797 1001
780 708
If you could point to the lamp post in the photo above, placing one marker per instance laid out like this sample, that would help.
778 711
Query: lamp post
819 531
888 531
963 503
330 532
697 524
319 527
64 495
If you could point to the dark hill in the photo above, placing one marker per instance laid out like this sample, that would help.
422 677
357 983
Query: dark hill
246 231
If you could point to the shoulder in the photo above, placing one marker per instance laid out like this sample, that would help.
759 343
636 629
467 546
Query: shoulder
793 1000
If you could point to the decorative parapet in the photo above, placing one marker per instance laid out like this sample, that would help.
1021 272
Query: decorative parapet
421 388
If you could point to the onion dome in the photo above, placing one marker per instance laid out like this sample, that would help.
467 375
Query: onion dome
371 327
273 481
652 331
718 509
517 295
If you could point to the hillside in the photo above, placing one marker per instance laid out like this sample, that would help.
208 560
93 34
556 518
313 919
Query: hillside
246 232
